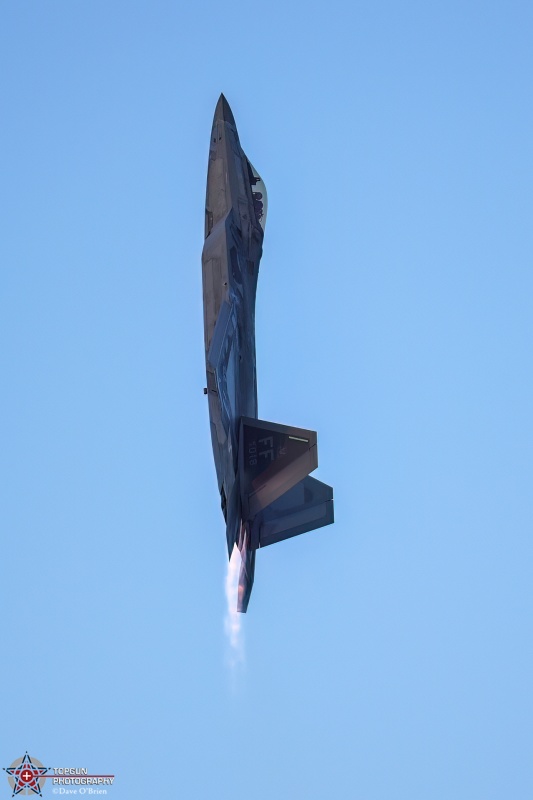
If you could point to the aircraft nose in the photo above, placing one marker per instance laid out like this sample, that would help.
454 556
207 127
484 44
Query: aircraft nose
223 111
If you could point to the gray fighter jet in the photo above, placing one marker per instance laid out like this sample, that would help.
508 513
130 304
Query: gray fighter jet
262 467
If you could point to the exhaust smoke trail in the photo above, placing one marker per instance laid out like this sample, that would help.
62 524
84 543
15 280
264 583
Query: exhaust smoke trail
232 621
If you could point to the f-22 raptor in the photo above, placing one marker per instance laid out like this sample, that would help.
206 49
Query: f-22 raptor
262 467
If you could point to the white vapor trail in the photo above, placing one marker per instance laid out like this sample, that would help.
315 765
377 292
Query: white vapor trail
232 621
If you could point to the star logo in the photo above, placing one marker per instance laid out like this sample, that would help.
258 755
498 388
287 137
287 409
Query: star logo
25 775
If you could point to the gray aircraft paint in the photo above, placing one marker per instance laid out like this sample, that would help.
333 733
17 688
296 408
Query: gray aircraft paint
262 467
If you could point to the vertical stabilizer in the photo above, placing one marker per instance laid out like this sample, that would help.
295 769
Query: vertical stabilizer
272 459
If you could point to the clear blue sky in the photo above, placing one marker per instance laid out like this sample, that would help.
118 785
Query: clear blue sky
389 656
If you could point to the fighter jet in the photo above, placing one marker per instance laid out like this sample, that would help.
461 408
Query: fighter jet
262 467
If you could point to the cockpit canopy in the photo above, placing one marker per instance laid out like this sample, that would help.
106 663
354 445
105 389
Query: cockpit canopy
259 195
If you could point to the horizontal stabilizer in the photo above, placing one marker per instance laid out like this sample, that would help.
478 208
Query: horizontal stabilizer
272 459
233 519
246 575
306 506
